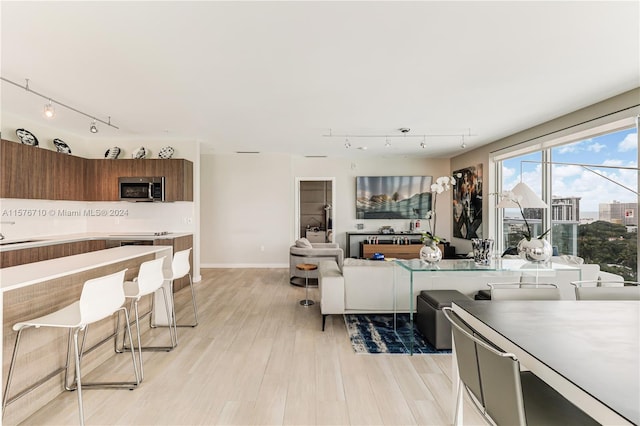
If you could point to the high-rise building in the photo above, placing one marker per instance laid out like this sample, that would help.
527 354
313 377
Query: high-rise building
565 218
617 212
565 209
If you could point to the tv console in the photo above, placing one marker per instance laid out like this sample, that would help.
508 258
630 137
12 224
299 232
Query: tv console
398 251
356 238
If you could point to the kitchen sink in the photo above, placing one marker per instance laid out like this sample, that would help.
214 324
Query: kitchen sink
6 243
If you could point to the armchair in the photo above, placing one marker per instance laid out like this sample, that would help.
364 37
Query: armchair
304 251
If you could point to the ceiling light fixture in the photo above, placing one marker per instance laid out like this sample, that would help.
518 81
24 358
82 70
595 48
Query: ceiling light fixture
49 110
403 134
93 128
52 101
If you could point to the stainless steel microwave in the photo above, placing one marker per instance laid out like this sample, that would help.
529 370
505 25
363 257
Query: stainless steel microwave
142 188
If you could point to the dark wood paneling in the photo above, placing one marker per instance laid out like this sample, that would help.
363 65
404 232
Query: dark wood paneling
13 178
54 251
17 172
66 180
102 178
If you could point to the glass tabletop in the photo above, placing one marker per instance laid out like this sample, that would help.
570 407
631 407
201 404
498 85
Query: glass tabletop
453 265
409 269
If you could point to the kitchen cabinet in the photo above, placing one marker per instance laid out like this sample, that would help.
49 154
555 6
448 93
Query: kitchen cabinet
36 173
101 178
14 177
65 171
25 171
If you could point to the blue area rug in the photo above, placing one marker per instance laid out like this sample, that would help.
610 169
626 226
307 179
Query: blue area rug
374 334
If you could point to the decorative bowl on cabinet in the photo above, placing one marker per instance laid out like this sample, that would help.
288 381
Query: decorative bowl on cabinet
26 137
61 146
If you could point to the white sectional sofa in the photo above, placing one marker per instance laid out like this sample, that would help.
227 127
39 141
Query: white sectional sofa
362 286
367 286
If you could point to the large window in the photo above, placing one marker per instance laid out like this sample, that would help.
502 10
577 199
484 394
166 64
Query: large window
591 188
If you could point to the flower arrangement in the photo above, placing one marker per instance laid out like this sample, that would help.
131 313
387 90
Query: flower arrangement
442 184
509 198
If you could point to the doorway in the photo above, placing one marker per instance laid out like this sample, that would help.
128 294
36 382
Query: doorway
315 209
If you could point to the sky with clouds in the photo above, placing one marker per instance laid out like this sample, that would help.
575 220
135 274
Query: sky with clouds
618 149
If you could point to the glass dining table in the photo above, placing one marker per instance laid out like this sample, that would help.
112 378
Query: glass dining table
414 275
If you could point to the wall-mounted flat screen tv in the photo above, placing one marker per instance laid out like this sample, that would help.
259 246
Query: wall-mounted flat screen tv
393 197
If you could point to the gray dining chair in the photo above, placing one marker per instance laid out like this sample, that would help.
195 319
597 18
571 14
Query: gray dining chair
502 393
524 291
603 290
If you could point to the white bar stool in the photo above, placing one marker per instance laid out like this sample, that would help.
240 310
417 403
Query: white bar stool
180 267
100 298
150 279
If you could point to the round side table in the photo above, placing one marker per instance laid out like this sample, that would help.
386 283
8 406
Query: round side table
306 267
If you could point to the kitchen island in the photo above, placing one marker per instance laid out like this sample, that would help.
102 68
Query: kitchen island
19 251
38 288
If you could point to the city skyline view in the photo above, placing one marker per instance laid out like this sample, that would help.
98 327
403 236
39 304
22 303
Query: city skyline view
617 149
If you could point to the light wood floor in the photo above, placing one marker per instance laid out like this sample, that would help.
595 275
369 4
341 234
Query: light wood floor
259 358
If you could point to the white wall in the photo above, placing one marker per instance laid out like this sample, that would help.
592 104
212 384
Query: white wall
248 202
245 214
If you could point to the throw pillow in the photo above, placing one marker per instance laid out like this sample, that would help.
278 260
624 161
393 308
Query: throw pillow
303 243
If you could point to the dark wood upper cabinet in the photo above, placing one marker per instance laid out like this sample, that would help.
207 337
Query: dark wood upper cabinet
36 173
101 177
27 171
66 177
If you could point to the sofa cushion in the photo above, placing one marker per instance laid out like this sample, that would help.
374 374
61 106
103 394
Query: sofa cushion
303 243
568 259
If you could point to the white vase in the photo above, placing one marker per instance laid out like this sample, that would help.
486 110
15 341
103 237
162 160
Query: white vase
430 252
536 250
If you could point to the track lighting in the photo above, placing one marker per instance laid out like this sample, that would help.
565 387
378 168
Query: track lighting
404 134
49 110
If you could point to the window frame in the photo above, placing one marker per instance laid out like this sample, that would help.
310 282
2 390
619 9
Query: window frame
544 144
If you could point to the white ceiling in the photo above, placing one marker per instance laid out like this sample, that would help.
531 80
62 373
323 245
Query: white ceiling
276 76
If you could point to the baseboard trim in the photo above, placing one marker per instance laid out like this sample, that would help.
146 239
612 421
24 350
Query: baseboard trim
244 265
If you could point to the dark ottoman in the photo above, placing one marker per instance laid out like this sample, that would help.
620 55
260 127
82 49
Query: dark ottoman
430 320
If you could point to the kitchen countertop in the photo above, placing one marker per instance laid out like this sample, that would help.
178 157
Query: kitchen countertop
31 242
32 273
